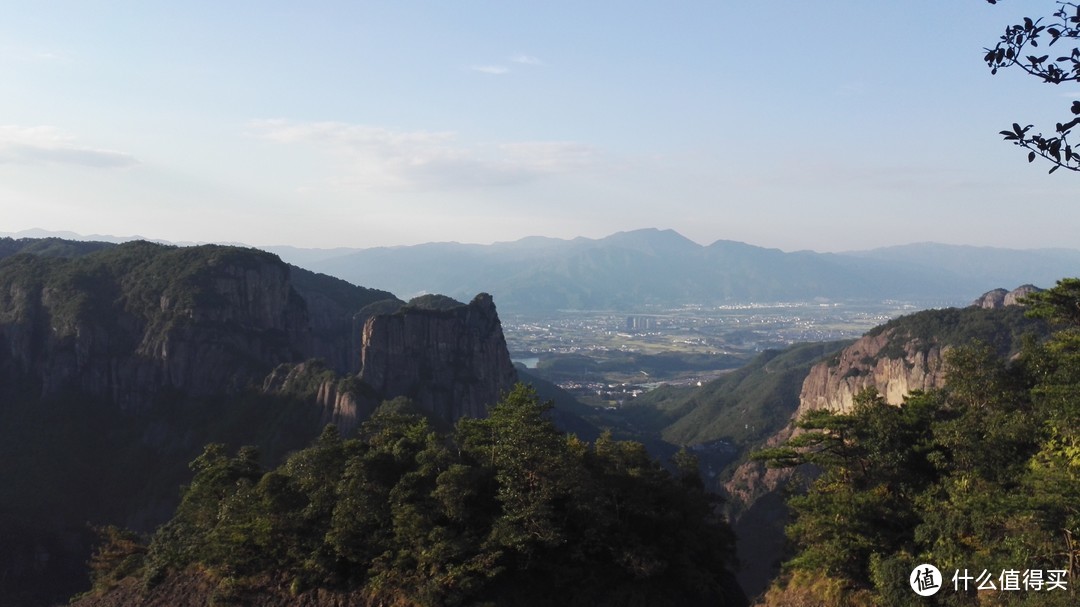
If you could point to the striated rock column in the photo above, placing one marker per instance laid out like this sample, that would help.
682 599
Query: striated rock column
451 361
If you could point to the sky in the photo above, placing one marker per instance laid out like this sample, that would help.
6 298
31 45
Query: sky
829 126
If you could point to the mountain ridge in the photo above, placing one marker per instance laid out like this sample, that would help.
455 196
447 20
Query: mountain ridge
118 361
655 267
532 240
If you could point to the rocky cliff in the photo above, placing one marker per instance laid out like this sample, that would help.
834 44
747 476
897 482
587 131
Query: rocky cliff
999 298
119 362
891 361
137 322
344 401
901 356
908 354
897 358
450 358
891 364
134 323
333 306
130 323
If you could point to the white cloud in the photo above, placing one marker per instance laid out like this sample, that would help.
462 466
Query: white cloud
49 145
494 70
526 59
551 156
51 56
374 157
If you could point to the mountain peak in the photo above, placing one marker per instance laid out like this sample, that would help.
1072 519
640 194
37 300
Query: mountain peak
653 239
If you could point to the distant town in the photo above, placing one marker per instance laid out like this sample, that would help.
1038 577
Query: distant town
607 358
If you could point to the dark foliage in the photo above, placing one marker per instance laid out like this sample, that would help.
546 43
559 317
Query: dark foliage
70 455
1002 329
983 474
507 510
745 406
1019 48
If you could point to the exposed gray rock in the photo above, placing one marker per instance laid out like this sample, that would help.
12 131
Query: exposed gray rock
999 298
1014 296
227 321
991 299
451 361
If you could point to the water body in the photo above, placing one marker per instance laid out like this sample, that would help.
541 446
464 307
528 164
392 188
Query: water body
530 363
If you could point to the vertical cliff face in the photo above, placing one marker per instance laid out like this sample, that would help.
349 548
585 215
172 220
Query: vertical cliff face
902 356
245 320
909 354
911 365
332 305
891 361
450 359
129 323
343 401
897 358
98 349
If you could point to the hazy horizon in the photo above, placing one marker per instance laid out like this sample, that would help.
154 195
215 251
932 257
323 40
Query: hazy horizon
799 126
70 234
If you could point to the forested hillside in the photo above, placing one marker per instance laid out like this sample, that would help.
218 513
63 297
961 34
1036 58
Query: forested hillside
119 362
980 477
507 510
744 407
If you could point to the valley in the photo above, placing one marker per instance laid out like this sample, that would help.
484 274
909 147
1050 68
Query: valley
605 358
429 304
164 350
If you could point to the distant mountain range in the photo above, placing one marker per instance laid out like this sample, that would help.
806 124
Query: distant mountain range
661 267
630 270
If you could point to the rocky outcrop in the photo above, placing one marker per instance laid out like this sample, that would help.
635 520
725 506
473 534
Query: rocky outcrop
991 299
1016 295
132 323
912 365
451 360
897 358
448 358
332 305
889 361
999 298
344 401
127 335
118 365
900 357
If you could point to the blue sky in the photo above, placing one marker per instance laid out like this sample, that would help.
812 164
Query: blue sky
836 125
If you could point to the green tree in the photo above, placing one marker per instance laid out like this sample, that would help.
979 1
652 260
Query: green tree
361 527
508 510
217 477
1053 473
121 553
873 462
532 468
989 429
